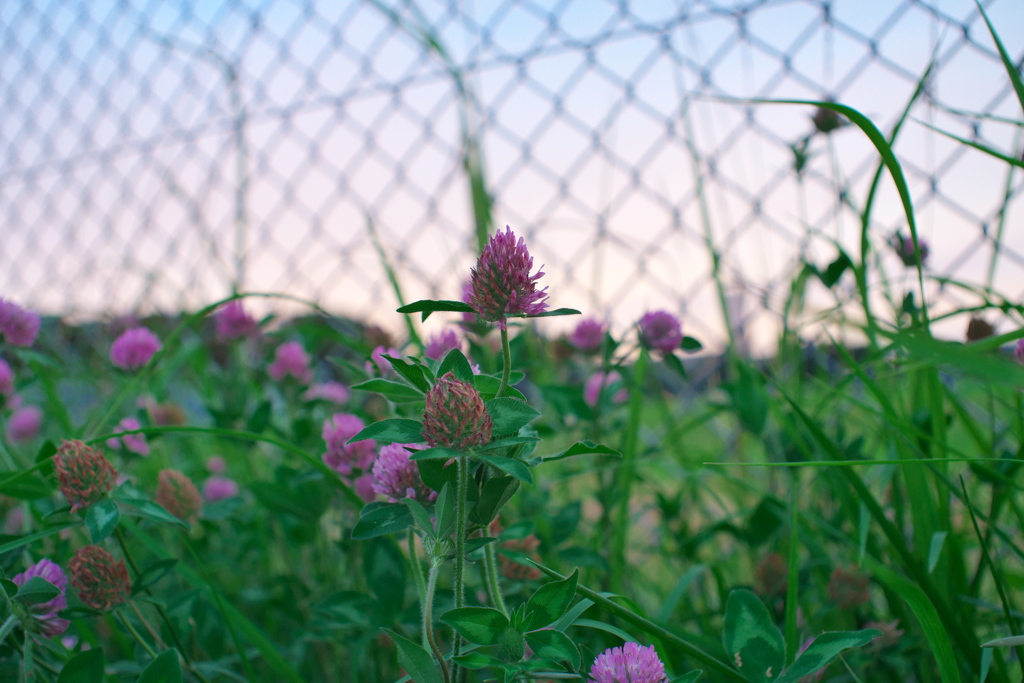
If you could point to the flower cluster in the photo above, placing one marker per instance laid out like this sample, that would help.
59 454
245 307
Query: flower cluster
179 495
24 424
134 348
6 379
219 488
904 247
44 614
351 460
382 364
440 344
588 335
501 284
18 326
661 331
233 322
334 392
598 382
291 359
136 443
396 476
84 474
631 663
102 583
455 415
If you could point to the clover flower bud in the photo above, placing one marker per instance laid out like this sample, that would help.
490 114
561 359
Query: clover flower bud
904 247
84 474
588 335
631 663
455 415
511 645
501 284
102 583
661 331
18 326
44 614
134 348
179 496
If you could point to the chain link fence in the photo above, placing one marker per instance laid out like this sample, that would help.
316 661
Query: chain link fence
156 155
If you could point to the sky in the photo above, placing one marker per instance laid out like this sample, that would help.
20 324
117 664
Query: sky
153 155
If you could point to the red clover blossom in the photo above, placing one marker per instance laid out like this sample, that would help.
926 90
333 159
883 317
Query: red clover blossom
630 663
24 424
440 344
179 495
134 348
18 326
45 616
102 584
501 284
588 335
85 476
233 322
291 359
396 476
455 415
136 443
661 331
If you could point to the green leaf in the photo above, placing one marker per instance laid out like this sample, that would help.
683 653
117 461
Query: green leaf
414 372
444 510
259 419
1011 68
583 448
380 519
421 516
164 669
752 641
495 493
101 519
691 345
415 660
1009 641
835 270
31 538
826 648
517 468
938 538
508 442
550 602
488 386
36 590
27 487
384 569
479 625
457 364
435 453
551 644
9 587
86 667
153 573
427 306
510 414
749 398
399 392
673 363
690 677
143 507
392 430
550 314
477 660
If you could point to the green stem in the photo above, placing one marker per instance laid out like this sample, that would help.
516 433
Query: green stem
625 483
491 576
506 363
458 583
135 634
7 627
428 618
417 572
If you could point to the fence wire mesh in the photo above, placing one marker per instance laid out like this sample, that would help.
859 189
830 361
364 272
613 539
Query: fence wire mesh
156 155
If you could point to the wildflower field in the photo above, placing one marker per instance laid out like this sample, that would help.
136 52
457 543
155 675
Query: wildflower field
211 497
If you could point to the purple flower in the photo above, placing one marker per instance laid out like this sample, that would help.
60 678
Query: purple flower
630 663
1019 351
364 487
335 392
291 359
904 247
136 443
233 322
134 348
342 456
19 327
45 613
219 488
588 335
597 382
6 379
24 424
383 365
216 464
396 476
661 331
440 344
501 282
